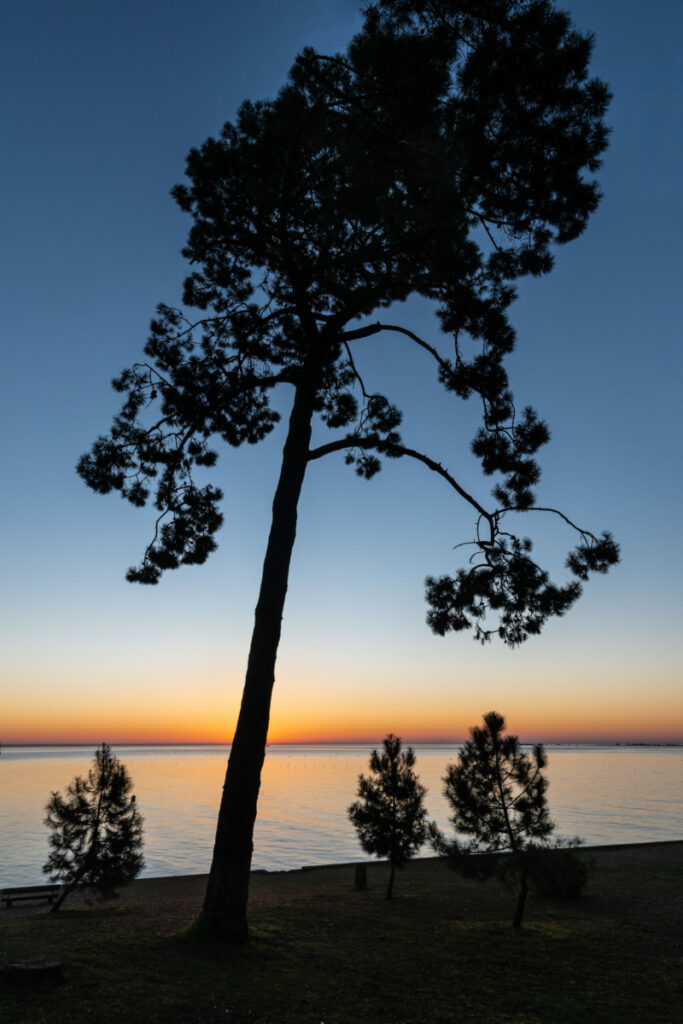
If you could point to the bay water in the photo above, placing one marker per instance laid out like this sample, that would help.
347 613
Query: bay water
604 794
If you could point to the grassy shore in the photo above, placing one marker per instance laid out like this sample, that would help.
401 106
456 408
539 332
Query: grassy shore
441 951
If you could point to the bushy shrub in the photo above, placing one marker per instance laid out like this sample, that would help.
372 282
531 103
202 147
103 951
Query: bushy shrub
559 873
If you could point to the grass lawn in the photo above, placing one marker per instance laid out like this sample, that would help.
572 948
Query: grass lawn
441 951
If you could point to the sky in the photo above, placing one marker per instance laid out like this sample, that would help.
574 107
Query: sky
100 106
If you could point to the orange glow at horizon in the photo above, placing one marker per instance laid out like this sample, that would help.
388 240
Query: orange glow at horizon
366 726
165 726
348 708
435 716
529 730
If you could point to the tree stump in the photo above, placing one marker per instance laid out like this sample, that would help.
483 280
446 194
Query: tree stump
361 877
32 972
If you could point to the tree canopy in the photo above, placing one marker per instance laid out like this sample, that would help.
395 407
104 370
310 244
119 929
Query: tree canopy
497 791
442 155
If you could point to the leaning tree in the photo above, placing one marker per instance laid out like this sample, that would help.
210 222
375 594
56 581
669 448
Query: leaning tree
441 155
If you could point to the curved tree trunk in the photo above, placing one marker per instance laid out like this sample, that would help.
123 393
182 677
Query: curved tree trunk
225 904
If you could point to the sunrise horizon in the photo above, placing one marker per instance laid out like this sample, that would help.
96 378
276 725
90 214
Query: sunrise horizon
549 737
335 708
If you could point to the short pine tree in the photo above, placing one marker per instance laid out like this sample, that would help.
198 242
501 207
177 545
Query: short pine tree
497 794
390 816
96 838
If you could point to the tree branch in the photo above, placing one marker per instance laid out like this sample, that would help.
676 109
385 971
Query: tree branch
555 511
366 332
398 451
355 371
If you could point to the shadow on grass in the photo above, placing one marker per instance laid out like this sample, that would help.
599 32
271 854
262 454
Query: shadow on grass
441 952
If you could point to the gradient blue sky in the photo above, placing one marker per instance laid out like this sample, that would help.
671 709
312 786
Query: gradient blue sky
101 103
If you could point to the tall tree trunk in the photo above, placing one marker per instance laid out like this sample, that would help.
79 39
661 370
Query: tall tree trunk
390 887
225 904
66 891
521 898
71 886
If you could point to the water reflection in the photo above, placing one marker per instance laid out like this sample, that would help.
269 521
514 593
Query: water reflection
604 794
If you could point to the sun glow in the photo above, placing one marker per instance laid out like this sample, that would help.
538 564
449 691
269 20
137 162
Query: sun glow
339 710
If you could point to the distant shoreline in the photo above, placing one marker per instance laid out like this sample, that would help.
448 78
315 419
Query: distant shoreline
651 848
352 744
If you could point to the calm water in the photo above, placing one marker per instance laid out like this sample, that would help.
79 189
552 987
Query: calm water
603 794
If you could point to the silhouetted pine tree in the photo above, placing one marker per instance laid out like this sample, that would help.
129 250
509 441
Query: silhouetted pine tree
441 155
96 838
390 817
497 794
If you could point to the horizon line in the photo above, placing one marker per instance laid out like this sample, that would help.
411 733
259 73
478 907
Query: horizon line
438 741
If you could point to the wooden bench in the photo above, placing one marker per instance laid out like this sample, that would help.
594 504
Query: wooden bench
29 892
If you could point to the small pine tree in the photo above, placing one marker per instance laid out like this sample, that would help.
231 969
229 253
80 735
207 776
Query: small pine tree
96 835
390 816
497 794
